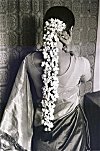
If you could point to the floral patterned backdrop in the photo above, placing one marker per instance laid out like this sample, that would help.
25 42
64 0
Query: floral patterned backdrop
21 23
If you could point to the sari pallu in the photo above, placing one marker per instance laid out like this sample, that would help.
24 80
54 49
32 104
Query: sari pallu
16 128
70 133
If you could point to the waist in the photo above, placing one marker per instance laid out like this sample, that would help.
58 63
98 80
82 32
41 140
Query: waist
63 107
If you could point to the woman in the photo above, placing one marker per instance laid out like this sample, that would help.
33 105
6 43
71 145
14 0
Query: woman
45 95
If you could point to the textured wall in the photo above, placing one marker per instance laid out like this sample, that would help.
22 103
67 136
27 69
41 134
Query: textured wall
21 28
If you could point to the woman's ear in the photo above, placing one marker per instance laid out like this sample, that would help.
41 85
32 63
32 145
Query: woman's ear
71 28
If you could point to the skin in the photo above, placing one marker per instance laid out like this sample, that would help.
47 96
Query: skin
64 57
64 40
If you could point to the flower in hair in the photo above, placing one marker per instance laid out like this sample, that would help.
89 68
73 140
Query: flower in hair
50 71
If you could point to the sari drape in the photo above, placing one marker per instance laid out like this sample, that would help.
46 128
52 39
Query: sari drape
16 128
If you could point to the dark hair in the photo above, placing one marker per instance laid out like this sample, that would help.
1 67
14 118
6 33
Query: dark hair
62 13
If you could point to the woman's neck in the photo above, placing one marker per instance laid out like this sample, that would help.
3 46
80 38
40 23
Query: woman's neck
64 61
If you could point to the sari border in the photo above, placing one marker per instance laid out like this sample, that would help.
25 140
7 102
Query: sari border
11 141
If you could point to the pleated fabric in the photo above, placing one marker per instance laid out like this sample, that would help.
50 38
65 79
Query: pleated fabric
70 133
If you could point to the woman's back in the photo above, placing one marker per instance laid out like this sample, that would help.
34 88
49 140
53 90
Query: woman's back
69 78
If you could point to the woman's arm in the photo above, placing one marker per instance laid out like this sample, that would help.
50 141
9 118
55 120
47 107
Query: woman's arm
86 70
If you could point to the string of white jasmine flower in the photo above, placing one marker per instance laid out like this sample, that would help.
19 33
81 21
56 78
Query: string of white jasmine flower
50 70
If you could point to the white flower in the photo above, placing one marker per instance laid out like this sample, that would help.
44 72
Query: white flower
43 63
47 23
50 72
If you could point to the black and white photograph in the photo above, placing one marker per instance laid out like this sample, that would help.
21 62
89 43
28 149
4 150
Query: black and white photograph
49 75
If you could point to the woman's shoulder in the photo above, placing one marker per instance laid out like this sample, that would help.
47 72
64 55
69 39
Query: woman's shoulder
82 59
34 60
35 57
82 63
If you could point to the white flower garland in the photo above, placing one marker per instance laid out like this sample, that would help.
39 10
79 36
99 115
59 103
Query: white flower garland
50 70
